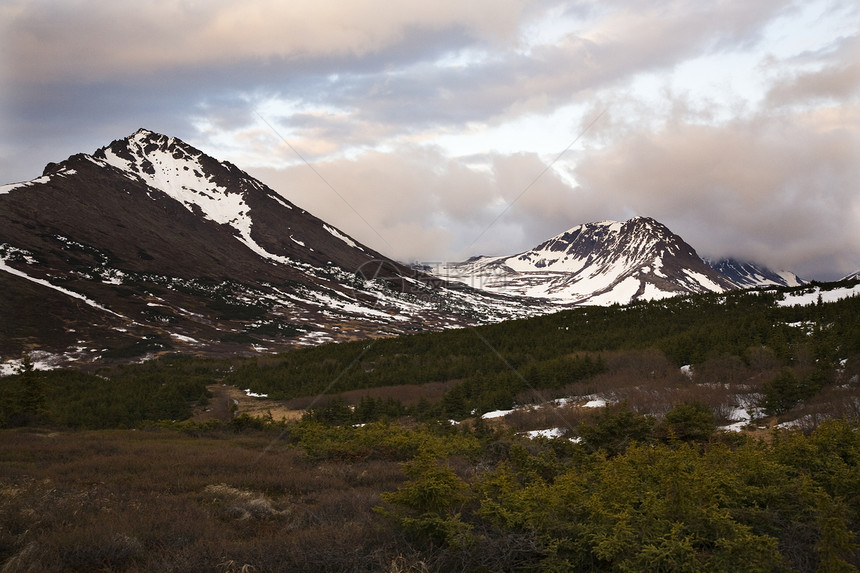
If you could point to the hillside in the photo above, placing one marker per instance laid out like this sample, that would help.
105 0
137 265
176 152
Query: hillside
742 339
149 245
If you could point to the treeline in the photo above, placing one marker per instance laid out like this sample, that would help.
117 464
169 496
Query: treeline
492 364
163 389
799 351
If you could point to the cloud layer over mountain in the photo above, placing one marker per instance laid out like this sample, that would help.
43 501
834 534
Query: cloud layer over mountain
735 123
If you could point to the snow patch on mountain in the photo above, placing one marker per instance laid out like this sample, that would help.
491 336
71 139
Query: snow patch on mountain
43 282
701 279
745 274
341 236
167 164
181 176
811 296
38 180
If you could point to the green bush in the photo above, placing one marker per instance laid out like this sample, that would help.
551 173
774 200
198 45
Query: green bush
615 428
783 392
688 422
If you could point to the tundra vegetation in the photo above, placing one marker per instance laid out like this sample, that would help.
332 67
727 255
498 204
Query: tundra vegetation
392 468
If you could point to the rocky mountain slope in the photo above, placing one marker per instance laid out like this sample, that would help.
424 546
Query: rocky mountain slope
149 245
597 263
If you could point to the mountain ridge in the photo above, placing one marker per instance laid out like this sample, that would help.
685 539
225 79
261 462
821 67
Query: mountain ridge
149 245
747 274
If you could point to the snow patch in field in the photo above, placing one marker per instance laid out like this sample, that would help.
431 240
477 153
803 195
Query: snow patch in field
741 418
497 414
10 367
548 433
42 360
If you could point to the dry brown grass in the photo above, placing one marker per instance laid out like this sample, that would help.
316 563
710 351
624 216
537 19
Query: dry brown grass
228 401
407 394
165 501
837 401
649 384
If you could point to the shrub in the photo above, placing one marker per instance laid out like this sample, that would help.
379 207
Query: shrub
428 506
688 422
786 390
614 428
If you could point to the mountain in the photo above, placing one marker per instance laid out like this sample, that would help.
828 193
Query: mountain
149 245
746 274
597 264
852 277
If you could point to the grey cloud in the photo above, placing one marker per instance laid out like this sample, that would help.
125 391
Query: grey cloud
93 41
429 207
77 75
836 77
146 59
426 96
775 189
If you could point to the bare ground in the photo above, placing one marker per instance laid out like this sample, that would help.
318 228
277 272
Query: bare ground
229 401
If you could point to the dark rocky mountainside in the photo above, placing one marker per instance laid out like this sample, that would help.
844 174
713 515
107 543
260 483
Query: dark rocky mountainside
149 245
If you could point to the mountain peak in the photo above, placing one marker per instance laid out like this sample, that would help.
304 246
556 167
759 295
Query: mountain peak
599 263
223 193
152 244
137 151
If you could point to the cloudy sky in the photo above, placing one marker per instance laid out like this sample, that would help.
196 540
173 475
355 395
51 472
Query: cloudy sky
440 129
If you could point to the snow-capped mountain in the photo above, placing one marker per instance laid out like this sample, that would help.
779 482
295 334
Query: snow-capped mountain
596 263
852 277
149 244
745 274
